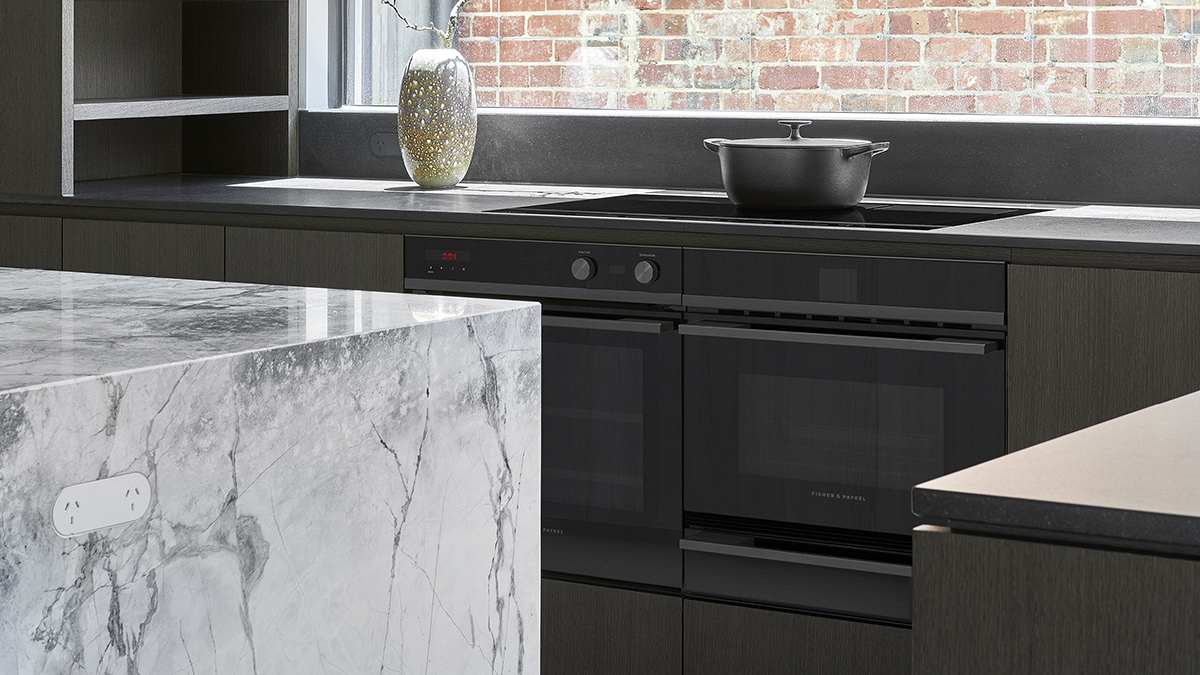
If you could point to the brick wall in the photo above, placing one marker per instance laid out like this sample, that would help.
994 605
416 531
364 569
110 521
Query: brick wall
1103 57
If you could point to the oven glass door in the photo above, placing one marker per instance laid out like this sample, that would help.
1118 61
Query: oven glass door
611 444
832 430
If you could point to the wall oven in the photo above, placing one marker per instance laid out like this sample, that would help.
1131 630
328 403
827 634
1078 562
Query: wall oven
611 415
819 390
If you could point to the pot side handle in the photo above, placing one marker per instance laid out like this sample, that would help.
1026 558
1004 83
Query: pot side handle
874 149
714 144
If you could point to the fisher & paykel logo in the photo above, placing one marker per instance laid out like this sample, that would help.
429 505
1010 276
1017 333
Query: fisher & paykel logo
838 495
552 530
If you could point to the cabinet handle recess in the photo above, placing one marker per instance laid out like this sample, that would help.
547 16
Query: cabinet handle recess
795 558
620 325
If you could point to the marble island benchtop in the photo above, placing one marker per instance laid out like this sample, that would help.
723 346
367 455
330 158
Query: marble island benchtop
1132 482
339 481
402 207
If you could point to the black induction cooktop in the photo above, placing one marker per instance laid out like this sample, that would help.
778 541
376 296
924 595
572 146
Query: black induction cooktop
713 208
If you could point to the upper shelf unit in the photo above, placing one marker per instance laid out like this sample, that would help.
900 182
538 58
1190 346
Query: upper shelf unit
181 86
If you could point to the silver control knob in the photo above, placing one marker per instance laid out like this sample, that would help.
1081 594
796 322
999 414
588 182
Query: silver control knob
645 272
583 268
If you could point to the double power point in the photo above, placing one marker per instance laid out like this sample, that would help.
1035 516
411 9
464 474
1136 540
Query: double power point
101 504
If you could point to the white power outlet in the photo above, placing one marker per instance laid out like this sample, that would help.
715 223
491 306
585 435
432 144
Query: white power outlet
108 502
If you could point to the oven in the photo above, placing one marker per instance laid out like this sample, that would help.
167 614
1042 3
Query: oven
611 397
819 390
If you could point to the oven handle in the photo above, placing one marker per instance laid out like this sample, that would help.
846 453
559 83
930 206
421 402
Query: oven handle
620 325
796 558
944 345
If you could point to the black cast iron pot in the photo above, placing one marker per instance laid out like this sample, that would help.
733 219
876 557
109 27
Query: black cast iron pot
795 173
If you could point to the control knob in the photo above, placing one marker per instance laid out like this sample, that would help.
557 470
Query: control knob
583 268
645 272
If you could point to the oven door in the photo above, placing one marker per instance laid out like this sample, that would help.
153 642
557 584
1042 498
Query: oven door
611 444
832 430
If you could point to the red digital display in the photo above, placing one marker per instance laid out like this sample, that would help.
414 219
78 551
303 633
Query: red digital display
449 256
435 255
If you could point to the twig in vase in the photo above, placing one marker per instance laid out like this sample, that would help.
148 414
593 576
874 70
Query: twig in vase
446 35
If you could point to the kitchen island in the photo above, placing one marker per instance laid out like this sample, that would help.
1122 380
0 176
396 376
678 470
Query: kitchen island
339 481
1078 555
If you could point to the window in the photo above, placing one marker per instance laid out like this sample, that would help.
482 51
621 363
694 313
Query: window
1017 57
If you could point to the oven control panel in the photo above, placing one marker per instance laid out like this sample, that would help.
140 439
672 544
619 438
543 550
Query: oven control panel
543 264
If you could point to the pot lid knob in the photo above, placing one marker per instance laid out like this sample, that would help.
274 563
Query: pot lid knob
795 126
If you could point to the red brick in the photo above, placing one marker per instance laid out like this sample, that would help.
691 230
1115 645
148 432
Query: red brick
941 104
580 99
1060 80
512 26
948 3
737 100
525 51
698 49
764 101
1128 22
1002 104
770 50
971 78
871 49
476 7
756 4
485 99
852 77
564 5
900 50
921 78
632 101
526 98
722 23
851 23
1103 3
649 49
957 50
920 23
736 50
1179 80
788 77
872 103
486 76
545 76
1020 50
651 75
605 24
1014 3
781 23
1060 22
1175 50
820 50
654 23
484 26
478 51
564 50
991 22
1157 106
694 100
694 4
871 4
721 77
514 76
806 102
1048 3
1085 50
553 25
520 5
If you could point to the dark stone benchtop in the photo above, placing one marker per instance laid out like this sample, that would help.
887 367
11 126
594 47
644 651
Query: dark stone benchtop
1132 482
400 206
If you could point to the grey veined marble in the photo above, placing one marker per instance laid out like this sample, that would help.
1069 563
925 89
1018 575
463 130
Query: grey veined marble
342 482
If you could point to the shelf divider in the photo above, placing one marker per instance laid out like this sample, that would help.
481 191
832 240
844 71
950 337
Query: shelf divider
136 108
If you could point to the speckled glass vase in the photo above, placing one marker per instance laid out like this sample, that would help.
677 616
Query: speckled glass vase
436 117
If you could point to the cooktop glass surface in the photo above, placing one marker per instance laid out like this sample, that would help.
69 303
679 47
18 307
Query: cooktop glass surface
715 208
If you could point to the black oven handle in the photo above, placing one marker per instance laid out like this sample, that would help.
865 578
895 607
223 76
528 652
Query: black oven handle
796 558
944 345
620 325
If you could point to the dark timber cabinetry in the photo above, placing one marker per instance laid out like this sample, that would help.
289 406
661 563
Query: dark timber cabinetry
1086 345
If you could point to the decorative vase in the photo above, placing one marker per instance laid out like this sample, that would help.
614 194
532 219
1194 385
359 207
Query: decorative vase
436 117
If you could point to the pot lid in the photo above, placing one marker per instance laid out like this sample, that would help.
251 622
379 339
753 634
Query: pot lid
794 140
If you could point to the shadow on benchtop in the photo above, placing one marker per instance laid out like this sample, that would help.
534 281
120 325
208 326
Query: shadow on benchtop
1129 483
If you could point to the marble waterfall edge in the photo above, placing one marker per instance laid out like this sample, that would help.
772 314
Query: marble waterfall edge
362 504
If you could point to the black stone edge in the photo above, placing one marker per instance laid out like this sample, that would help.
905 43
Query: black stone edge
1059 522
150 209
